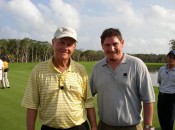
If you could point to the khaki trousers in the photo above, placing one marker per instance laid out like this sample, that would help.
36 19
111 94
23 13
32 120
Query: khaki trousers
103 126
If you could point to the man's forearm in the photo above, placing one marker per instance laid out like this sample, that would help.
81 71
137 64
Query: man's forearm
92 118
31 115
148 113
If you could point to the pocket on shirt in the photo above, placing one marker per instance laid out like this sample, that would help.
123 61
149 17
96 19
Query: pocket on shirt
75 90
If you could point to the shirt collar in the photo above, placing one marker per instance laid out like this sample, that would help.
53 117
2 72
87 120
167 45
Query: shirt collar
166 66
52 67
124 60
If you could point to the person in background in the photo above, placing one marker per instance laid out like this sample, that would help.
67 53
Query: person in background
122 84
166 97
59 89
5 81
1 71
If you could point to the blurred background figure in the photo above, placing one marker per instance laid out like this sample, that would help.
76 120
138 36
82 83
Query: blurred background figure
5 81
1 70
166 98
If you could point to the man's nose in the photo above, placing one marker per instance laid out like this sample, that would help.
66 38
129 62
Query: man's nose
112 48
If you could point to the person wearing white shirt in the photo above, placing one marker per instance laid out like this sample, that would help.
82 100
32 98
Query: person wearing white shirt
1 70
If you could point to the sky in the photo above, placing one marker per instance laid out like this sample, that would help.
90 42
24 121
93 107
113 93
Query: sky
147 26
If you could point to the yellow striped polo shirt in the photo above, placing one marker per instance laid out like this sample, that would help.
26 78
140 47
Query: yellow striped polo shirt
61 98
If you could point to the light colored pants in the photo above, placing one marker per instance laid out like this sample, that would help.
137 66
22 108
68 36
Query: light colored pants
103 126
5 81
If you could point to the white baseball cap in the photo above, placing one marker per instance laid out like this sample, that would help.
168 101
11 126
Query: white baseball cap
65 32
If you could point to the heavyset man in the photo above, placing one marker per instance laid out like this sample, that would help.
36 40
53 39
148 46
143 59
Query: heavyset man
122 84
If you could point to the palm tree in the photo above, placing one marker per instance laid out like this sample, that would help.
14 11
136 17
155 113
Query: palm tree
172 44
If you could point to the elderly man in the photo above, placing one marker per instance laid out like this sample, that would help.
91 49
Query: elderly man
59 90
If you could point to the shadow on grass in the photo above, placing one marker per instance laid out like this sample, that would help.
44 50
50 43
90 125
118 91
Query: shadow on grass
158 129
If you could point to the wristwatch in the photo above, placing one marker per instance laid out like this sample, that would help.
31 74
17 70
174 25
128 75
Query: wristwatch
147 126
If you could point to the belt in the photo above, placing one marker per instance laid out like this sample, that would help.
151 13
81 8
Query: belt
167 93
45 127
129 126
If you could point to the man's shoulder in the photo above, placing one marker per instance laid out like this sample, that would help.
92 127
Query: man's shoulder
162 67
100 62
1 63
41 65
133 59
77 65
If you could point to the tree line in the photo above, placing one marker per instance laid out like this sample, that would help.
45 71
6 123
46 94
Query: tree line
28 50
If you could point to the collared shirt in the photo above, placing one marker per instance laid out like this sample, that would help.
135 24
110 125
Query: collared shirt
61 98
121 91
1 64
1 67
166 80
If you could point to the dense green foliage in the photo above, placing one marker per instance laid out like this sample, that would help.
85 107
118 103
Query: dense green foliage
25 50
28 50
12 115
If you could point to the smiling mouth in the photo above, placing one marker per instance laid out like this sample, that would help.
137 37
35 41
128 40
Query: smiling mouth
112 53
63 51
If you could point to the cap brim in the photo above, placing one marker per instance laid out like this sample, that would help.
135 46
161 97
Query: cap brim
65 35
170 54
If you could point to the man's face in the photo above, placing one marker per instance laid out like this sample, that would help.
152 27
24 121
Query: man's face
171 59
63 48
112 48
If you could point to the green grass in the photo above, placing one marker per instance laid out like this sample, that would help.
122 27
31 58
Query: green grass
12 115
155 65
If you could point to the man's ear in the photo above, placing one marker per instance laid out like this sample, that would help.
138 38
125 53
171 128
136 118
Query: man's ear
52 41
122 42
